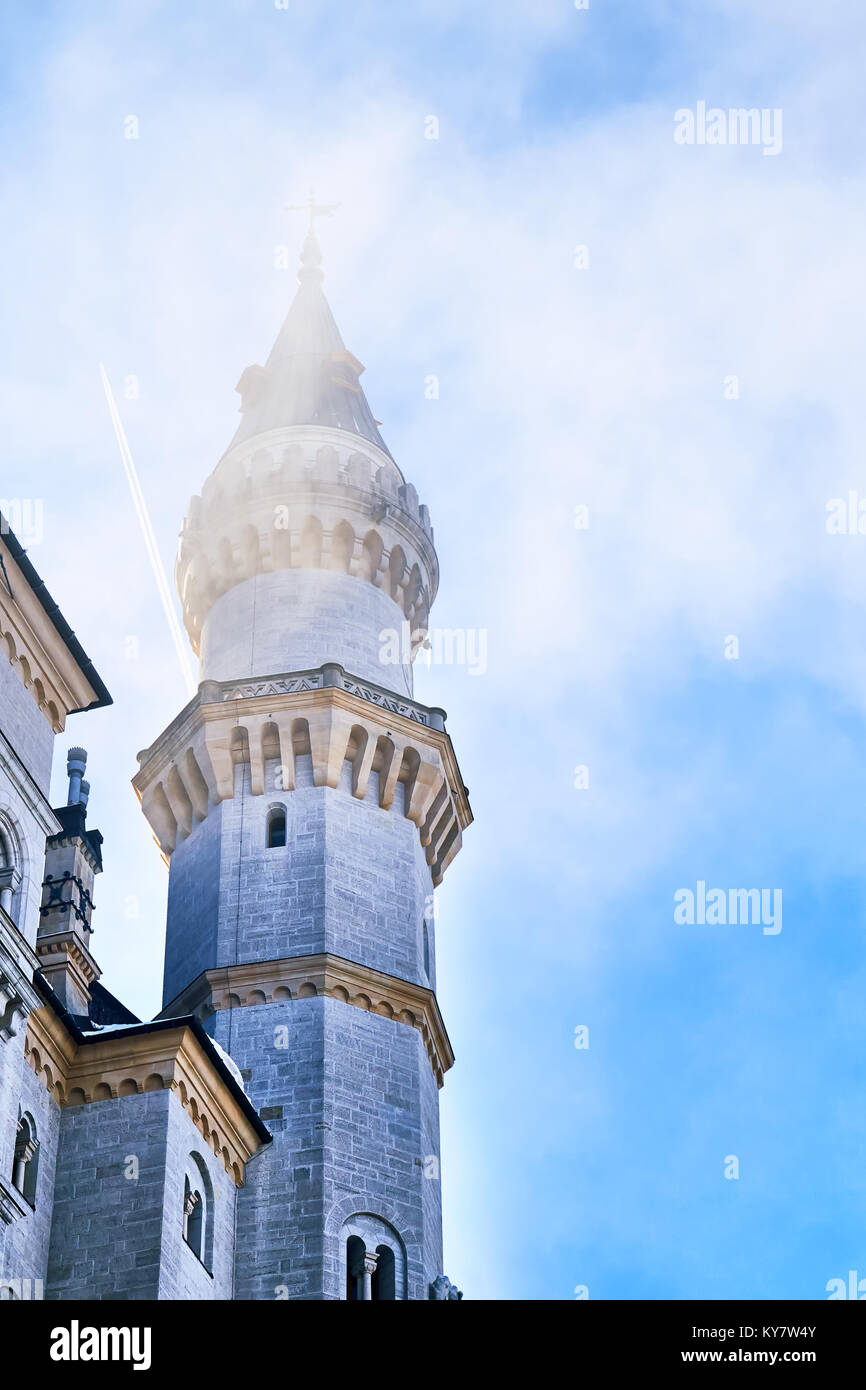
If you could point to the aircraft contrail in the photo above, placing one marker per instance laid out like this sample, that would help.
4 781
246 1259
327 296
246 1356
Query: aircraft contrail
140 505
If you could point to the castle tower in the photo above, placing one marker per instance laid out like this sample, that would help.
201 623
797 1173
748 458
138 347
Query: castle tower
308 806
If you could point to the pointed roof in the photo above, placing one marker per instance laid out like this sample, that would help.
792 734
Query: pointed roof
310 377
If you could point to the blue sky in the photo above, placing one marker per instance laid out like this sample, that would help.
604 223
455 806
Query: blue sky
559 387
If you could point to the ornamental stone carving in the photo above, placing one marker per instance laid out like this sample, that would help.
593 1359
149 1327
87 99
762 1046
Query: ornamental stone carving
442 1290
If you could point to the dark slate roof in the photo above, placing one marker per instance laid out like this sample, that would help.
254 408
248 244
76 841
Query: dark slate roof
310 377
104 1008
83 1033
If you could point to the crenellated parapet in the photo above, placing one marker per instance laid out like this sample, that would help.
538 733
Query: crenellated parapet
327 715
308 497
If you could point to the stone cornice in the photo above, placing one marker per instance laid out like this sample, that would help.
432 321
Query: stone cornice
303 977
128 1061
327 676
333 717
36 649
50 1050
65 951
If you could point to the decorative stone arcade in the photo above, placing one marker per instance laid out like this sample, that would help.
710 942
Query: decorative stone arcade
307 806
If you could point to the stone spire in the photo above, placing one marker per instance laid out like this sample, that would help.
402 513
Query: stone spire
307 484
310 378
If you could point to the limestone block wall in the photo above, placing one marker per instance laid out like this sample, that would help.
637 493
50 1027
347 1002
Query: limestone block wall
23 723
182 1274
352 879
297 619
377 883
193 912
106 1238
26 817
306 498
120 1237
25 820
273 900
351 1101
25 1250
381 1102
11 1067
279 1233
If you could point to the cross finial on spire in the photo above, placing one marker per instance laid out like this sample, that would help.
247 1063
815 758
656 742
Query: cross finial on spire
313 210
311 256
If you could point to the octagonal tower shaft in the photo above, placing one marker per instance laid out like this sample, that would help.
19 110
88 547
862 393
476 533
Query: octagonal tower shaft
307 806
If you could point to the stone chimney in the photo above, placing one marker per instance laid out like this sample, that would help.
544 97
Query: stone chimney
73 858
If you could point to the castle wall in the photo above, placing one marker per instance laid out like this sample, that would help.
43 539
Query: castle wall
182 1274
377 881
351 879
25 1251
194 896
349 1096
280 1241
121 1237
276 895
297 619
11 1069
25 814
25 726
352 1104
381 1102
106 1238
25 818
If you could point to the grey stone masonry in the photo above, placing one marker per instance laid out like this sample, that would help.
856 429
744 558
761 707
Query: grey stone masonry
307 806
25 1248
334 618
352 1103
117 1231
351 879
106 1239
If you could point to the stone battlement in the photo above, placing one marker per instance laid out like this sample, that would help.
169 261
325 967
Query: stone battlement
327 715
306 497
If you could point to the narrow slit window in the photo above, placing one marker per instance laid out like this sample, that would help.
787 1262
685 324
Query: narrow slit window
276 829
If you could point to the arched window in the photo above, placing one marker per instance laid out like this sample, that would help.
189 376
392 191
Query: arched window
193 1218
375 1260
276 827
426 951
10 874
355 1252
25 1166
198 1210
